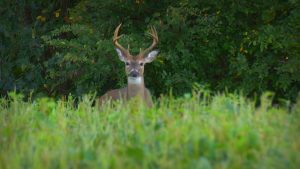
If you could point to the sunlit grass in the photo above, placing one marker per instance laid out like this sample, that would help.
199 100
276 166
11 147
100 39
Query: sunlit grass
195 131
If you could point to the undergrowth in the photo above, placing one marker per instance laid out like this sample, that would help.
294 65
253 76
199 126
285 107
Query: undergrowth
195 131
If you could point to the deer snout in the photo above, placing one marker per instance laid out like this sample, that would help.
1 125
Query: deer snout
134 73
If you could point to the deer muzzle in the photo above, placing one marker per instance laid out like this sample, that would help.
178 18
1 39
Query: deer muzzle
134 73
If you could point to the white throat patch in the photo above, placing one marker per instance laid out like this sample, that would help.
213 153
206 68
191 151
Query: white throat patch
134 80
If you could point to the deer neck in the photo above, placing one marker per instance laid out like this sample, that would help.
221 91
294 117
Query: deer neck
136 87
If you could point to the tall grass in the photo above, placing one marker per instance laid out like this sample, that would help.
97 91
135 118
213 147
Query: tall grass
195 131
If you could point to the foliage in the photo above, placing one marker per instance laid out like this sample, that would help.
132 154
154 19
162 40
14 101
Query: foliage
195 131
56 48
22 58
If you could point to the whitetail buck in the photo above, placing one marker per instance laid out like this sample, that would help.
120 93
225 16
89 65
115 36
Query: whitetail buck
134 67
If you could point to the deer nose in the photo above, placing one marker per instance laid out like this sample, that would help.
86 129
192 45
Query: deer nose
134 74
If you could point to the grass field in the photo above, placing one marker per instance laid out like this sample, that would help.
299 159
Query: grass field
196 131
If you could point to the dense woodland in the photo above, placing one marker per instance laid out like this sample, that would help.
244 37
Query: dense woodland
54 48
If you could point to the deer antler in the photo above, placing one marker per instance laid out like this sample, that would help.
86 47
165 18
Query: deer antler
117 45
154 35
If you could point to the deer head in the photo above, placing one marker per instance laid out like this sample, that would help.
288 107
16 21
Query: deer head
134 65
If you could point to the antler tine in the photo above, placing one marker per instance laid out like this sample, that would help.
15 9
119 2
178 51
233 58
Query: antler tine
153 34
116 38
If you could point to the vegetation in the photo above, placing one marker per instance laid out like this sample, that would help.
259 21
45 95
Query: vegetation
196 131
56 52
59 47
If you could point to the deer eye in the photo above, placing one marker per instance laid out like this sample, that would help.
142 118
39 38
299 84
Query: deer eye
127 63
141 64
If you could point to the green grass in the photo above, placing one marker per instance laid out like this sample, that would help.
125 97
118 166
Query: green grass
195 131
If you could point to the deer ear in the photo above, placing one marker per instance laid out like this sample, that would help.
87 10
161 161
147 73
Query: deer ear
121 55
151 56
